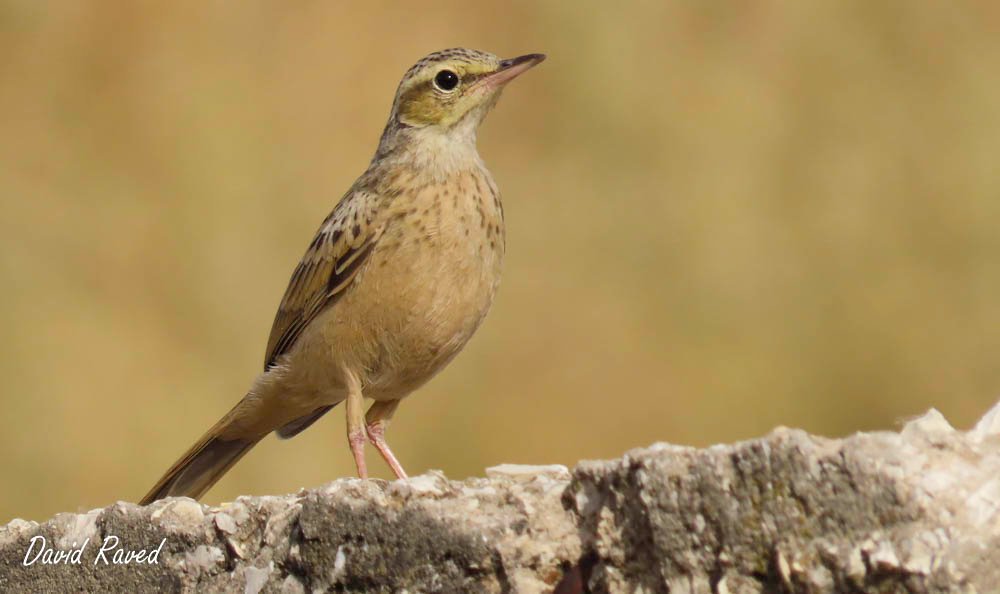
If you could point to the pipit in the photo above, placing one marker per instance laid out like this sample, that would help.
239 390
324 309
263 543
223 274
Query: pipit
395 282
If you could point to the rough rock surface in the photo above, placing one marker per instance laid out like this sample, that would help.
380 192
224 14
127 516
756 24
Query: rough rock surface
914 511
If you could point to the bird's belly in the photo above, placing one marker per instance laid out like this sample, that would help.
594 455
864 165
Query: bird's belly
422 292
412 307
432 303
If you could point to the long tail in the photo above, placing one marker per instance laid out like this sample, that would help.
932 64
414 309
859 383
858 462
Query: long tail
204 464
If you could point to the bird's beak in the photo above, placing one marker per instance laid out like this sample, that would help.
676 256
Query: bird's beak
510 69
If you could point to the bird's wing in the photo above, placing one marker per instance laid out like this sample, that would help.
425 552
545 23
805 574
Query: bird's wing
334 257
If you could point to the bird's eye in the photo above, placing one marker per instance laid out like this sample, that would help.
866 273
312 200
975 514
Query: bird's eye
446 80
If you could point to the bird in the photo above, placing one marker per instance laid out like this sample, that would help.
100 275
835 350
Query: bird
393 285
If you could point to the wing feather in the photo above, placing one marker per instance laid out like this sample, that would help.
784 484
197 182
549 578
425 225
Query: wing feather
331 262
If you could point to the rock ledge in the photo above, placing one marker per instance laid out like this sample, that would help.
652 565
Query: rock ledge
914 511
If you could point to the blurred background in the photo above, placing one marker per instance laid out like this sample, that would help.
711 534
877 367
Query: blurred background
722 217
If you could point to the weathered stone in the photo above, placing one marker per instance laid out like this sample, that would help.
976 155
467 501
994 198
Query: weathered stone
915 511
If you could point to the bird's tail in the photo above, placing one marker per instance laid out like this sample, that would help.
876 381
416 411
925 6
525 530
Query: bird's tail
204 464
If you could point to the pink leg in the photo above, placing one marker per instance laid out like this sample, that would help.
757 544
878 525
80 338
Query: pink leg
377 420
356 439
356 428
376 433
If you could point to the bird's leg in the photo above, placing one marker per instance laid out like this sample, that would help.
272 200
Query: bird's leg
356 427
377 420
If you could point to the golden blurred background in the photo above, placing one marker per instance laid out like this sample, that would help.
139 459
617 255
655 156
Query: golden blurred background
722 217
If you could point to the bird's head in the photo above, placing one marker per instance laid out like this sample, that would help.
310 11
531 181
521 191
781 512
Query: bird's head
455 88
